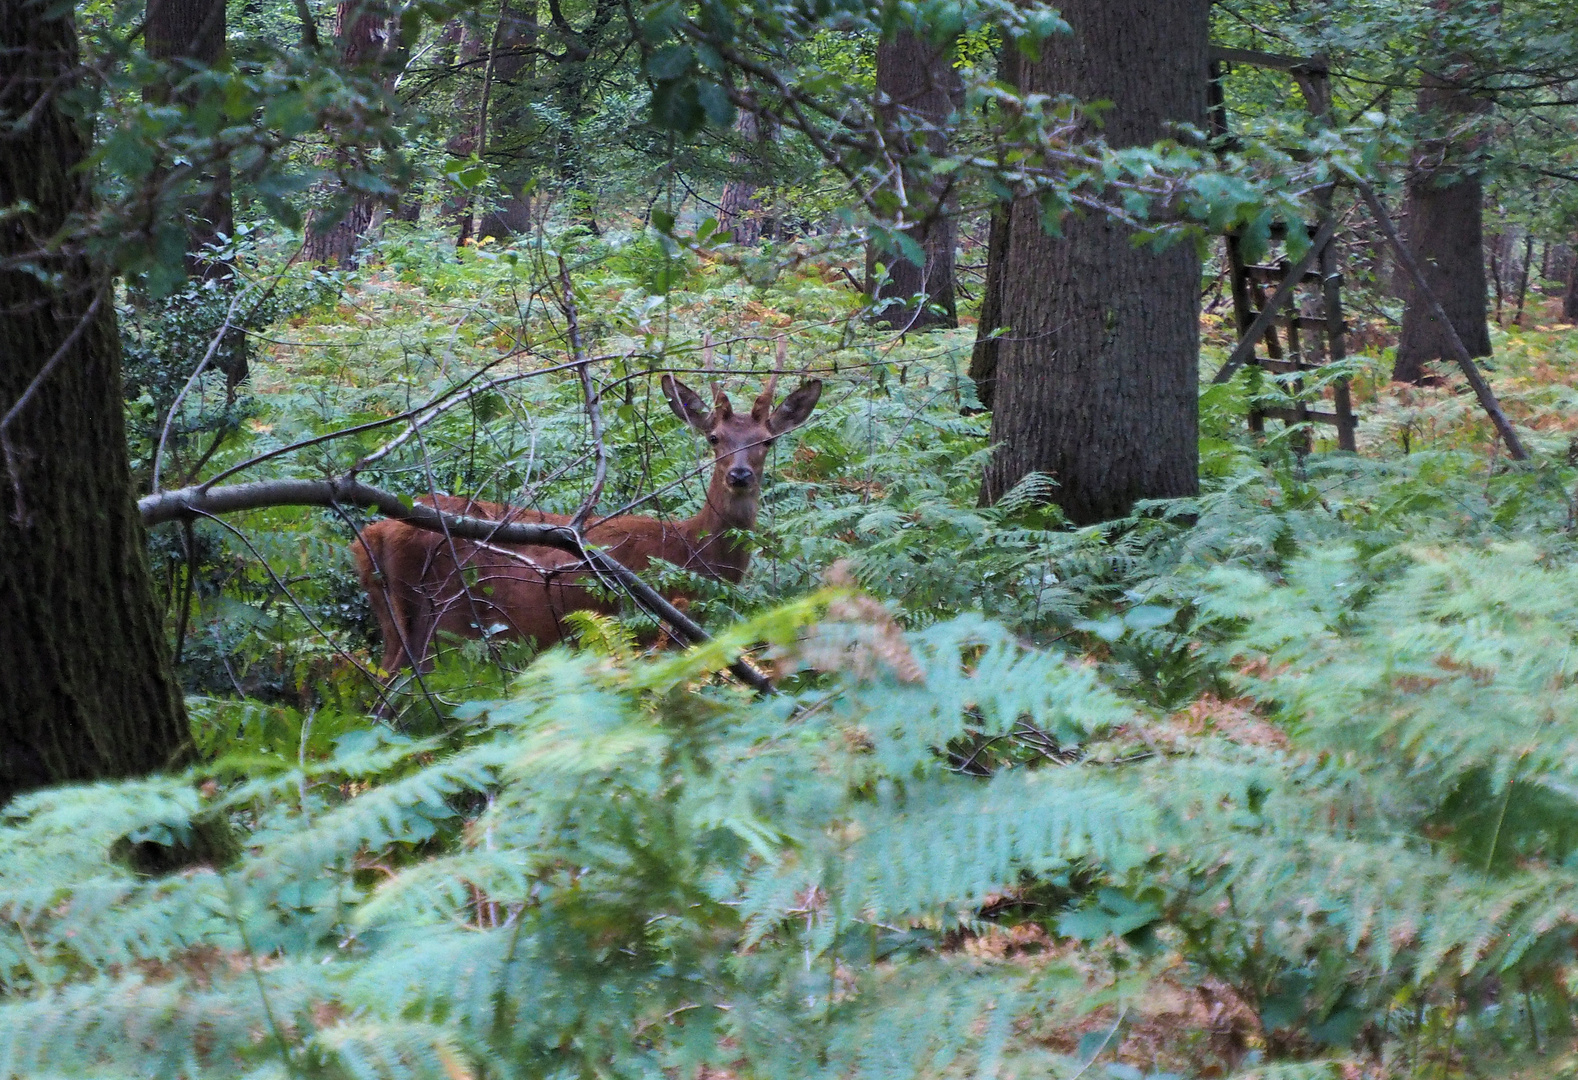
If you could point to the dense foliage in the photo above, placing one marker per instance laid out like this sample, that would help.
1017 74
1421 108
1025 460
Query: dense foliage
1275 781
1195 790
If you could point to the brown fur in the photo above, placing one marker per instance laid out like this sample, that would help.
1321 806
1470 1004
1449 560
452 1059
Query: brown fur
422 584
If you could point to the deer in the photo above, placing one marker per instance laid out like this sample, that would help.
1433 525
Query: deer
422 584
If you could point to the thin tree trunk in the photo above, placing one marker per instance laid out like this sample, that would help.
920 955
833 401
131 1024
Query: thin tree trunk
1496 244
479 136
86 684
983 358
514 72
181 32
1445 233
573 82
740 209
1570 300
362 29
919 89
1523 279
193 31
1098 382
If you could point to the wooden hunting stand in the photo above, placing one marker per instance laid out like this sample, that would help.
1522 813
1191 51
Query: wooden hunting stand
1310 341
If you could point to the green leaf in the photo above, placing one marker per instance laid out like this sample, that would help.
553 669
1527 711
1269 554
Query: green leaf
670 62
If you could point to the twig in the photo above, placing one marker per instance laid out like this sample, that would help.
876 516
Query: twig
1482 390
378 570
409 414
257 975
454 555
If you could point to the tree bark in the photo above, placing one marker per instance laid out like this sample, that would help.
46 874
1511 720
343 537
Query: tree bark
1523 277
573 84
514 70
983 358
1445 208
362 28
740 209
1097 384
193 31
917 91
1570 300
86 684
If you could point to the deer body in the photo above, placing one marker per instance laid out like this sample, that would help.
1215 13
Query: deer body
422 584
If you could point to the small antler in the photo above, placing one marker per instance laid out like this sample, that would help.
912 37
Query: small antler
764 402
720 401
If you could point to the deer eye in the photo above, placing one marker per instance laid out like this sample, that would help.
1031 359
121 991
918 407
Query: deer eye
768 442
713 439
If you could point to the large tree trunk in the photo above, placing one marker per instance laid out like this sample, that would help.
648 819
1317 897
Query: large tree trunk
86 690
1097 383
363 28
917 85
1445 233
193 30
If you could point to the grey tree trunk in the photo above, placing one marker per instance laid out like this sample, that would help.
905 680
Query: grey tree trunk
918 90
86 685
1445 210
1097 380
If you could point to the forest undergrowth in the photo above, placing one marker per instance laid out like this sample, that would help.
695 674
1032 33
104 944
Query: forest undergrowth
1276 781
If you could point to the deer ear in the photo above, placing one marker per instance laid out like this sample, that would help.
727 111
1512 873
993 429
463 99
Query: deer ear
796 408
687 404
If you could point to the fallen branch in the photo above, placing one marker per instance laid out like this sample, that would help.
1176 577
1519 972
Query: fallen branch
189 502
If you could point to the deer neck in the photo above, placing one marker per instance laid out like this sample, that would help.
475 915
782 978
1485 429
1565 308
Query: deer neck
724 511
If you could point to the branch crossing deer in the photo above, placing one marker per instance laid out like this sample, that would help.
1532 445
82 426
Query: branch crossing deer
422 584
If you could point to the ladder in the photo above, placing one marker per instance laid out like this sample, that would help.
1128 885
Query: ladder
1294 342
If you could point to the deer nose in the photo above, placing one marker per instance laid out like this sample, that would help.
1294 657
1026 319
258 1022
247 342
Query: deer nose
740 476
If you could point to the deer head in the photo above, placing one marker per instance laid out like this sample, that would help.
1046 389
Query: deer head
740 440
